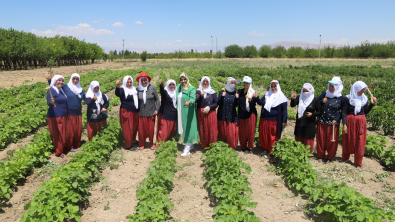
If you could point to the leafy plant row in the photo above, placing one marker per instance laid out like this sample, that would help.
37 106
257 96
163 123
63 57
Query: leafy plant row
153 194
61 197
228 184
338 201
23 161
375 146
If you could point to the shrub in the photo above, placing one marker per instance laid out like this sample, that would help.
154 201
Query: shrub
279 51
265 51
250 51
143 56
233 51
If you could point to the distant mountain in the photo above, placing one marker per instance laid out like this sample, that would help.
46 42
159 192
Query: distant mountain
289 44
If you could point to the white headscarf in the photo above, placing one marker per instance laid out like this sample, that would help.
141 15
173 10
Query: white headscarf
230 87
144 89
171 93
76 89
53 81
250 92
130 91
338 84
274 99
355 100
305 99
207 90
98 95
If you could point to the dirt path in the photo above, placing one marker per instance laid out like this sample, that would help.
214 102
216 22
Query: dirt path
275 201
191 200
118 189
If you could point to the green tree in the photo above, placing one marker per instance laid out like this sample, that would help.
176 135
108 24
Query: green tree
233 51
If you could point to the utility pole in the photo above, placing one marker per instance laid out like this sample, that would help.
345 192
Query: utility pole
216 45
123 50
319 52
212 47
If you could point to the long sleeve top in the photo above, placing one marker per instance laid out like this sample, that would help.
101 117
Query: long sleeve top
92 115
305 127
331 110
61 108
73 101
243 113
227 107
167 108
210 100
278 113
349 109
152 102
126 103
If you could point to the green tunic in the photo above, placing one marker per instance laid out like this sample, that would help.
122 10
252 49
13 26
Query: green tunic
189 122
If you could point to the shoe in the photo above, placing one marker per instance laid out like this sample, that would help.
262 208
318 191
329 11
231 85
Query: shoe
72 150
141 148
320 160
185 154
267 156
154 147
328 161
133 149
62 155
246 151
186 150
264 153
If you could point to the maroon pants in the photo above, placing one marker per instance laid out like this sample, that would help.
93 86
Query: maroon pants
324 141
129 124
306 142
146 129
208 127
93 128
60 134
165 128
267 134
75 125
229 132
247 132
354 140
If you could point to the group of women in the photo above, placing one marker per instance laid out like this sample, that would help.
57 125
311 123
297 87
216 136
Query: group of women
64 115
230 116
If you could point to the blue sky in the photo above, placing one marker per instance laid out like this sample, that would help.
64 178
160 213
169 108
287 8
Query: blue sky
163 26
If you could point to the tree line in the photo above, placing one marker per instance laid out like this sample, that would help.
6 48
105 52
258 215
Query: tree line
364 50
19 49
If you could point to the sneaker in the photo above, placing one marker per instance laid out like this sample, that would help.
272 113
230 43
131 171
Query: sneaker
72 150
328 161
185 154
133 149
267 156
320 160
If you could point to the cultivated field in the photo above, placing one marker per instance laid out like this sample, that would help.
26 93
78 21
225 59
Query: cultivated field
108 192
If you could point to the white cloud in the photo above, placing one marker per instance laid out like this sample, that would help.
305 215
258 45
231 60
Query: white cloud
296 35
178 41
95 21
108 24
178 24
80 30
118 24
204 43
256 33
341 41
2 23
186 44
139 23
380 40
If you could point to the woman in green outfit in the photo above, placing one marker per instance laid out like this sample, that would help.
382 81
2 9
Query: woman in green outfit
186 113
